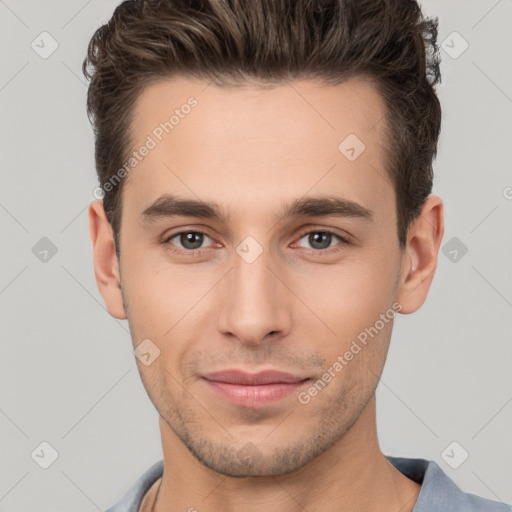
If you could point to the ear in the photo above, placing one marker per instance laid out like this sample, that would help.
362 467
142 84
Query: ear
106 265
419 260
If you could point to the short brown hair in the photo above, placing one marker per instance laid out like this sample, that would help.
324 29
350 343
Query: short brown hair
271 41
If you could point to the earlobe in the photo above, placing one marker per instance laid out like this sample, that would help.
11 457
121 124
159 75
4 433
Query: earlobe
106 265
419 259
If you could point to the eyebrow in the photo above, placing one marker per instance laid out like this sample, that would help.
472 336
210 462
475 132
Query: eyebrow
169 205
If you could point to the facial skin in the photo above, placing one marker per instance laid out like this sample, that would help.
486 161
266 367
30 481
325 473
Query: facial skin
296 308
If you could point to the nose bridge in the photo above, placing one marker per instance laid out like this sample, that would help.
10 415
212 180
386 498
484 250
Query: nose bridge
256 303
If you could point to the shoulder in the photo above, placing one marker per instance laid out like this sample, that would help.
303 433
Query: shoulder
439 493
132 500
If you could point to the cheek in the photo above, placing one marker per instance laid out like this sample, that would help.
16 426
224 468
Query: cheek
350 296
159 293
166 303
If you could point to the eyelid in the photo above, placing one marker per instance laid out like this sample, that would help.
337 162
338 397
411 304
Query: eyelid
345 237
169 233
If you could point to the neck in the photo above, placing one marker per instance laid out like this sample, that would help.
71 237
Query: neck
353 475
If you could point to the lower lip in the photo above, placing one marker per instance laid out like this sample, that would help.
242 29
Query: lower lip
254 396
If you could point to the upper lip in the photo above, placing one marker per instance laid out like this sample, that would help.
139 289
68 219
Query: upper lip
253 379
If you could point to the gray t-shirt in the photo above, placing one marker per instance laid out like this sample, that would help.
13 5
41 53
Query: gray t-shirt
438 492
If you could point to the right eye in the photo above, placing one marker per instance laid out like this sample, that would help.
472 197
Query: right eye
189 240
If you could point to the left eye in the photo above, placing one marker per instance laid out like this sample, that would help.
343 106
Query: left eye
320 240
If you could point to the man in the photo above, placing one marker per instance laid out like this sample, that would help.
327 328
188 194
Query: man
266 168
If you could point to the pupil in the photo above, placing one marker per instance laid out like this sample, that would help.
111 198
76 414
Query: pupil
187 240
314 238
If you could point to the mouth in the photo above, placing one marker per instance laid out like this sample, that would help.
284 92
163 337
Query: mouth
253 389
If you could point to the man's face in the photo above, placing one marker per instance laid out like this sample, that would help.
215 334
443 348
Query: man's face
259 290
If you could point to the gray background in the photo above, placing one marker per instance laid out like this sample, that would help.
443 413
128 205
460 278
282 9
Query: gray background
68 375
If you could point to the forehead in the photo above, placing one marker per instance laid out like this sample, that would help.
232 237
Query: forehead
247 140
261 111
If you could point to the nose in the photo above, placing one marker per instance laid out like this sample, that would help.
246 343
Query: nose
255 302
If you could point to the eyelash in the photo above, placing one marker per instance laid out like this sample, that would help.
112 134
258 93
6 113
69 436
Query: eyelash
194 252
